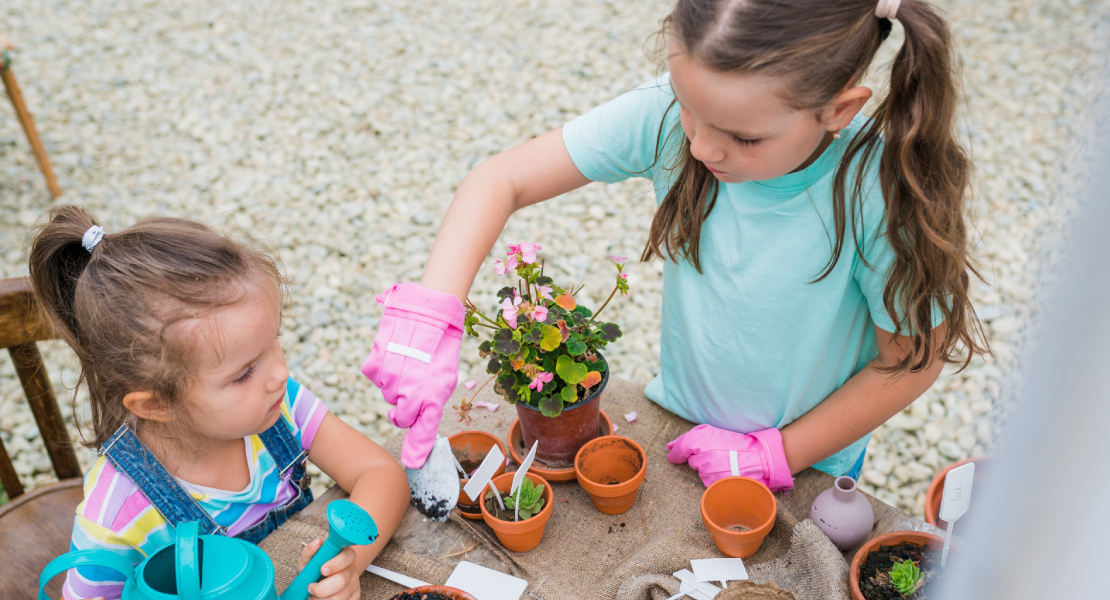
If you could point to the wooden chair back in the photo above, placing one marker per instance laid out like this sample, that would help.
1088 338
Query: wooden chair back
34 527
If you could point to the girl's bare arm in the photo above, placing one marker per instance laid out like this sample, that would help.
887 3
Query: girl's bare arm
863 403
527 174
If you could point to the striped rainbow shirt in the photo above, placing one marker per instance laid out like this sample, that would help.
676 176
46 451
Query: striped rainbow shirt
117 517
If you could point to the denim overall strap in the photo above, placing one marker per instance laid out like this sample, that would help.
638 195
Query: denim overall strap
130 457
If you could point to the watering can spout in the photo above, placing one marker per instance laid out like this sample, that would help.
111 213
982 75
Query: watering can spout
348 525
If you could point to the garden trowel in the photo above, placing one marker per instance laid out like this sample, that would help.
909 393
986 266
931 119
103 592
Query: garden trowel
435 486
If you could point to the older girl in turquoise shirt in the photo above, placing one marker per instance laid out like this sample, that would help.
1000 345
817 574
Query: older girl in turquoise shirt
816 265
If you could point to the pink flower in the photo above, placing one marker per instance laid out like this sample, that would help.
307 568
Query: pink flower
528 253
504 266
509 308
618 259
540 314
540 379
545 292
624 276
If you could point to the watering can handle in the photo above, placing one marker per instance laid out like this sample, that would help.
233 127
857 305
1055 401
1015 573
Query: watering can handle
84 558
187 561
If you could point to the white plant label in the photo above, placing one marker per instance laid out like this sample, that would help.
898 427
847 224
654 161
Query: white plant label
954 502
486 584
694 588
719 569
519 478
484 474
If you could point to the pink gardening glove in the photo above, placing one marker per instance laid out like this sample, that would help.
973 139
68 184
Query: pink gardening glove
415 362
719 453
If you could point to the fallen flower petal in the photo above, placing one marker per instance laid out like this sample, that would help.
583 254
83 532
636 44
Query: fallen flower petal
615 428
618 259
484 404
470 384
630 417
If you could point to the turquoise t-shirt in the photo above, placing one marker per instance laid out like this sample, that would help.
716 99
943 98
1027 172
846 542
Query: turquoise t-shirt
751 343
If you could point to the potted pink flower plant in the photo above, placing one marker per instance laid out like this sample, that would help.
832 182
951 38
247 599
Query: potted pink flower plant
544 354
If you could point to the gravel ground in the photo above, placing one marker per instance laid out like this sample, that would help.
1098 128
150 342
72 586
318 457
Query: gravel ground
339 130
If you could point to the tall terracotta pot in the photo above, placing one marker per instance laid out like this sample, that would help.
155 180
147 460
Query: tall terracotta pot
888 539
561 437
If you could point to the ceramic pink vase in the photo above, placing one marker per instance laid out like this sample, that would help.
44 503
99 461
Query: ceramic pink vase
843 513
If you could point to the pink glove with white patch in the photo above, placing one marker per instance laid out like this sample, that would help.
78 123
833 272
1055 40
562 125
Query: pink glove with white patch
415 362
719 453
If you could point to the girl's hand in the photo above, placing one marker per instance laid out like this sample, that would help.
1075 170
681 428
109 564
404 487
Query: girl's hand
340 580
718 453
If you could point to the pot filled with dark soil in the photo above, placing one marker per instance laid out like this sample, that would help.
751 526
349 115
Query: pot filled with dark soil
470 449
896 566
433 592
524 534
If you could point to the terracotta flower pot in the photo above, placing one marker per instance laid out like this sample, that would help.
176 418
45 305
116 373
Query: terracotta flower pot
471 448
611 469
936 488
738 512
887 539
519 536
450 592
561 437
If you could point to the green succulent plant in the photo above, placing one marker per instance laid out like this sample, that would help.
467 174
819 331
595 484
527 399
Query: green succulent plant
530 498
905 577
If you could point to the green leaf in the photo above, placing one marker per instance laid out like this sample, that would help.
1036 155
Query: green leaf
484 349
551 338
494 366
570 371
505 292
582 310
533 336
610 332
504 343
544 280
569 395
576 319
575 345
551 405
596 365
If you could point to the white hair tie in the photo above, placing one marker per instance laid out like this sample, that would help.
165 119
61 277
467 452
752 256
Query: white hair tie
887 9
92 237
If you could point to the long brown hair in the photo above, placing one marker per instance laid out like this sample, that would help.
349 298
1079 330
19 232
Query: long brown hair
818 49
116 304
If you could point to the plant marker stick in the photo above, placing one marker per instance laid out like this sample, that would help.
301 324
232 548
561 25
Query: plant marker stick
484 474
954 502
518 477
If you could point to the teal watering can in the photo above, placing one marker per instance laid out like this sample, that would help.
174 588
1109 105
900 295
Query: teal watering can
213 567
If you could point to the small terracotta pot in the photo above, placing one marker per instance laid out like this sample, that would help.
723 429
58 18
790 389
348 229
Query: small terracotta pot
936 488
887 539
519 536
611 469
738 512
561 437
471 448
454 593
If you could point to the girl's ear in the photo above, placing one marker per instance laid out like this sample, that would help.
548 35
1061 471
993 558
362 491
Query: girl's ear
145 405
845 107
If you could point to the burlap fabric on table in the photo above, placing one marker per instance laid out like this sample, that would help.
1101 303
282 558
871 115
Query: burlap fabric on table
586 554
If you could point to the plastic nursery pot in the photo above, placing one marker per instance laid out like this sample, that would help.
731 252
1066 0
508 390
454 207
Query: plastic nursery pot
887 539
611 469
936 488
561 437
519 536
442 590
738 512
471 448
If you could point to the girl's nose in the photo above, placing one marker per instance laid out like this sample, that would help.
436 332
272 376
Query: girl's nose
704 148
278 378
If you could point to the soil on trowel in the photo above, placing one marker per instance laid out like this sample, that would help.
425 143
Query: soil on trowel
873 583
422 596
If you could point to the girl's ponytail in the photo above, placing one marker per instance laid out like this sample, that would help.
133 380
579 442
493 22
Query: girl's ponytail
924 174
57 261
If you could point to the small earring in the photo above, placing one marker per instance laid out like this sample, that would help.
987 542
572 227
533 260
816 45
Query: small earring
836 136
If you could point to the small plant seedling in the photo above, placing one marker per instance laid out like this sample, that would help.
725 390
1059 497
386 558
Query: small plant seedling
906 578
528 501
